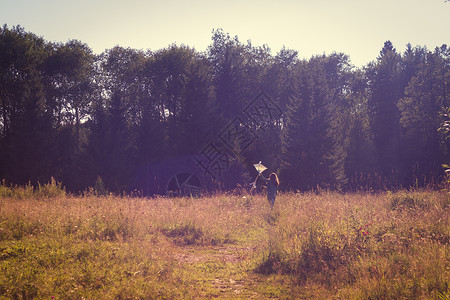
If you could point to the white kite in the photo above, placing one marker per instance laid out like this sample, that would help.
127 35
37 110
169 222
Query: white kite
259 168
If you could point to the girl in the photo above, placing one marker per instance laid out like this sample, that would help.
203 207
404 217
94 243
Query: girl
272 187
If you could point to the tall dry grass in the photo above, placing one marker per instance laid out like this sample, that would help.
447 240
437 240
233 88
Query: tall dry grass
363 246
312 245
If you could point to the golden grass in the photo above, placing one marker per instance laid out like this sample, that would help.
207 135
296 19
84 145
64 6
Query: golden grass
321 246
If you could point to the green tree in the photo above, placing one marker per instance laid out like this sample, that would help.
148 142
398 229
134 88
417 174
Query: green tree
26 144
116 116
307 145
238 70
279 82
240 75
183 94
384 92
344 105
69 92
69 83
360 158
427 93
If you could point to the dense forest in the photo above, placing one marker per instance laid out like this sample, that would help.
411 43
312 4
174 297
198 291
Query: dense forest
147 121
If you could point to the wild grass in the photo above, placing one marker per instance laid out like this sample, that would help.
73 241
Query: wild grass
316 246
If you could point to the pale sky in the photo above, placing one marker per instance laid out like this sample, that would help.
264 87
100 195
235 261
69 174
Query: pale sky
357 28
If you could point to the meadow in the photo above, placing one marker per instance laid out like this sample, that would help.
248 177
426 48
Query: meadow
323 245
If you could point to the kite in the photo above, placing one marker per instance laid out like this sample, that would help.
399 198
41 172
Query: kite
259 168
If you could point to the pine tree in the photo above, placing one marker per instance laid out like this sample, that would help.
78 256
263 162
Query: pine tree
307 146
427 93
26 144
385 91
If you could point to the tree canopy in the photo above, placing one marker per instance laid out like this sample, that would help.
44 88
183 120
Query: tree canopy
138 120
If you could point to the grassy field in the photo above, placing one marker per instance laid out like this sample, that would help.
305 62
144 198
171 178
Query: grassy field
310 246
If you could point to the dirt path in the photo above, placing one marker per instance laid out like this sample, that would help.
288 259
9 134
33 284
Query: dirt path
224 272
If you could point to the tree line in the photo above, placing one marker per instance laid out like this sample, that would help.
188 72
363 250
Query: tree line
125 116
